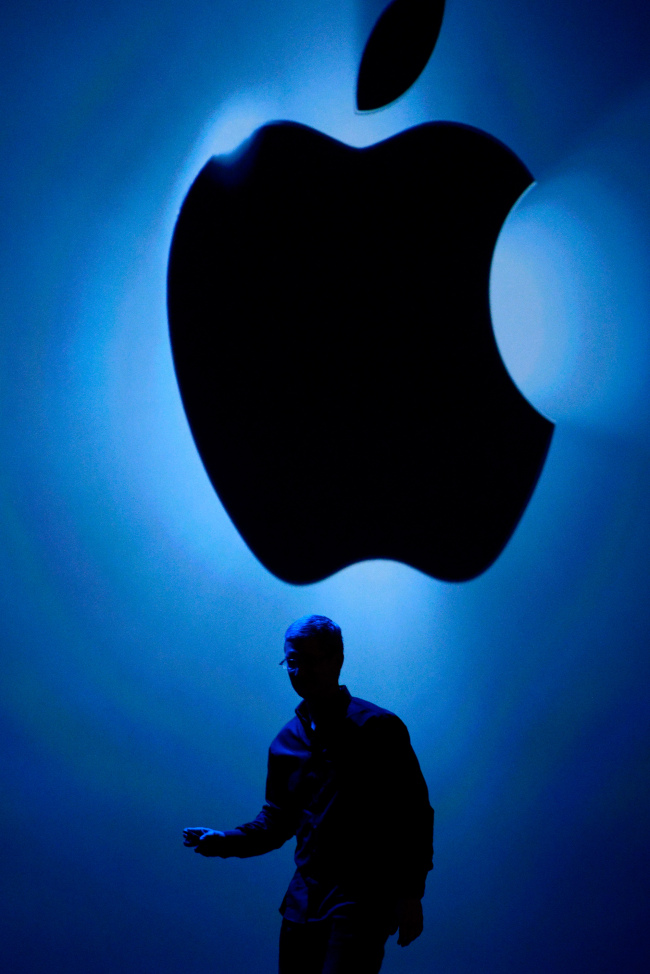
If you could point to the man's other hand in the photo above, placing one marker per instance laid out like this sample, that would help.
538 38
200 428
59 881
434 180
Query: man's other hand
410 921
206 841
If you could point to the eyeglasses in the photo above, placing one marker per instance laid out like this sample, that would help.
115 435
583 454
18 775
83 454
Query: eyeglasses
294 663
289 665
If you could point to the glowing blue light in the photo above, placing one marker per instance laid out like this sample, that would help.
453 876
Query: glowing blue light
570 297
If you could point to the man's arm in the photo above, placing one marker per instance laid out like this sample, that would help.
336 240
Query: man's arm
410 815
273 826
409 920
268 831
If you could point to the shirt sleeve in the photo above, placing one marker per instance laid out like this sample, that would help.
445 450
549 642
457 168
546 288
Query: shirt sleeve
408 815
273 826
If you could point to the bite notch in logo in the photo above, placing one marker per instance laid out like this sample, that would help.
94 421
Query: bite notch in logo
330 325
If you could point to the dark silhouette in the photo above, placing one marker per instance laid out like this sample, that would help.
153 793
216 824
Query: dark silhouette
343 778
397 51
330 324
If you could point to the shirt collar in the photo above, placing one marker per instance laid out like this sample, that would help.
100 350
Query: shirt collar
339 708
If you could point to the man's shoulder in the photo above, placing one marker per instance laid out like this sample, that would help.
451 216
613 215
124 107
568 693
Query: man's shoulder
291 736
361 711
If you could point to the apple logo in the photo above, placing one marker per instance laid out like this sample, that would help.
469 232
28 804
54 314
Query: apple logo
331 332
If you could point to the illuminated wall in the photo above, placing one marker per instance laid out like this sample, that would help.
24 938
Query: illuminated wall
140 638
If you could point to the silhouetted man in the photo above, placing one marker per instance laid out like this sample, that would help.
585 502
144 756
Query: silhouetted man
343 778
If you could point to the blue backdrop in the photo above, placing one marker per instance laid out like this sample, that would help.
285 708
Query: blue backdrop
140 638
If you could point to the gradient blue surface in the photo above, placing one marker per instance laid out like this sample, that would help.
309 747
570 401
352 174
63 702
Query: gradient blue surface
140 638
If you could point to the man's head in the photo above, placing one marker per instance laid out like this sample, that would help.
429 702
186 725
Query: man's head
313 649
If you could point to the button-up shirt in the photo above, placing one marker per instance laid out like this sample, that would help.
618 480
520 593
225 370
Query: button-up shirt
351 791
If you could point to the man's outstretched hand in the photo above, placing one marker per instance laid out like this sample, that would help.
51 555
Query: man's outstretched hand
206 841
410 921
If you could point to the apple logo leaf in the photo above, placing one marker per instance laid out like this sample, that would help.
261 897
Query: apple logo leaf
397 51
